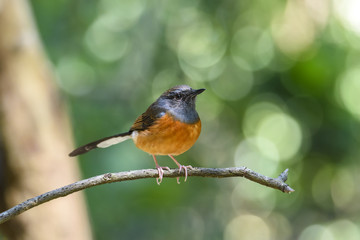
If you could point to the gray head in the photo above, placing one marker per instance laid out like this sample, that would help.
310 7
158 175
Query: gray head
180 102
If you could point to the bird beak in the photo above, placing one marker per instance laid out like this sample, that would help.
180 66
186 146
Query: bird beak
198 91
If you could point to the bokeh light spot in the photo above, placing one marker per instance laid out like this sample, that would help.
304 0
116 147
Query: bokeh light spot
202 45
293 30
209 106
247 227
284 132
342 196
203 74
121 15
267 121
250 155
233 84
348 12
344 229
321 187
317 232
252 47
75 76
281 227
105 44
348 89
165 79
256 197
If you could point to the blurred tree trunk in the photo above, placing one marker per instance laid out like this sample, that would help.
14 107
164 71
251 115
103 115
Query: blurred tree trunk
34 135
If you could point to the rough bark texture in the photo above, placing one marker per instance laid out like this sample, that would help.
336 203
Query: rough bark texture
276 183
34 134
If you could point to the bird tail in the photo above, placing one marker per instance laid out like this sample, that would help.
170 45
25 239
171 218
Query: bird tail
101 143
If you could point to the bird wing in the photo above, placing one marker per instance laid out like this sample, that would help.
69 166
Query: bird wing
143 122
147 119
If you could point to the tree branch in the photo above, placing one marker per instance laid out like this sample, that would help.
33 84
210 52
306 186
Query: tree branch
276 183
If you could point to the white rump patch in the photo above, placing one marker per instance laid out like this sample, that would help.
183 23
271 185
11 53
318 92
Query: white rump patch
134 135
111 141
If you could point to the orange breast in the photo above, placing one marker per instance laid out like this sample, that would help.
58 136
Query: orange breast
168 136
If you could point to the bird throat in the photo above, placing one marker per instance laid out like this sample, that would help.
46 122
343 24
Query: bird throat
185 115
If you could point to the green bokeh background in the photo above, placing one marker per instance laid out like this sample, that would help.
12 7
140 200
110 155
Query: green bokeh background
282 80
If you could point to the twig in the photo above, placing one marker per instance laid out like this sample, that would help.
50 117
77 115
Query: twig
276 183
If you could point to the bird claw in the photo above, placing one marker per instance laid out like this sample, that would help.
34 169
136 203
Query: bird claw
161 173
185 169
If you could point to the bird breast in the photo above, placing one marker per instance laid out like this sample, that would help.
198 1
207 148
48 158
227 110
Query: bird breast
167 136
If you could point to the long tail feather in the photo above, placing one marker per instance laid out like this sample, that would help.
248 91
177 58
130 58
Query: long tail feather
101 143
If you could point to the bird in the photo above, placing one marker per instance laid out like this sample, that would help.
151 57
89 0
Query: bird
170 126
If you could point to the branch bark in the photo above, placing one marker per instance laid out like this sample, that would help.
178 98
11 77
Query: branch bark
276 183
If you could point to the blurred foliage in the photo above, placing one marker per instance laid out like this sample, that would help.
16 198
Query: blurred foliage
282 80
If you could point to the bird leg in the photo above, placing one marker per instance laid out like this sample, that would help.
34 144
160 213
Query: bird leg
160 171
181 167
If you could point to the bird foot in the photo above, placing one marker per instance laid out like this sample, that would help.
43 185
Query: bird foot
185 169
161 173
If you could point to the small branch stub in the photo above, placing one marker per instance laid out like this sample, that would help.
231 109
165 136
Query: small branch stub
276 183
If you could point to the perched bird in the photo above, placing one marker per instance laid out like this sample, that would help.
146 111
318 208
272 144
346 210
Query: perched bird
170 126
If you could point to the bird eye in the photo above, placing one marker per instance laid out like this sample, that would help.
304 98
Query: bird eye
177 96
173 95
